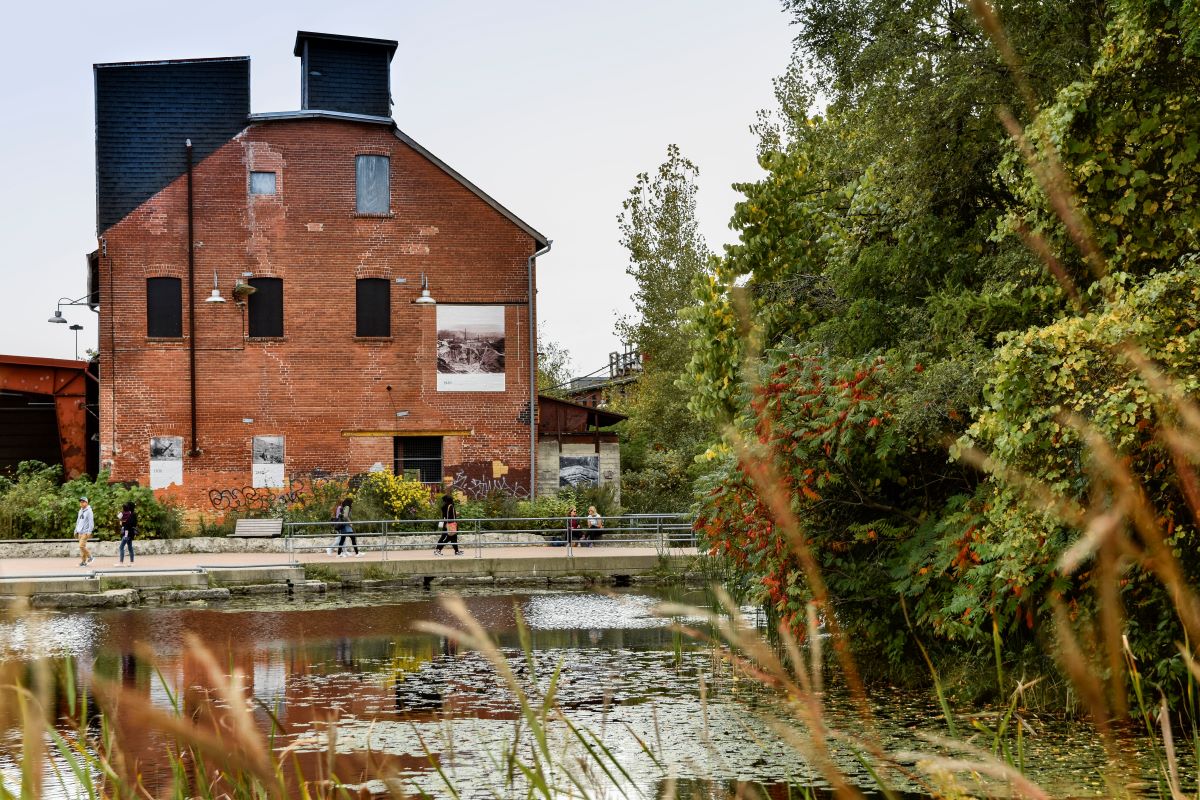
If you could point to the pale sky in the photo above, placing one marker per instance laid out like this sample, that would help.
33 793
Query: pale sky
550 106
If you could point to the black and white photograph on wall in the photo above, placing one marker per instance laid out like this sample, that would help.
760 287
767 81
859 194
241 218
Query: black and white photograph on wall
166 461
267 462
578 471
470 349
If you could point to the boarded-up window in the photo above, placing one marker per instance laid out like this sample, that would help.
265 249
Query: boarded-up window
266 307
371 187
373 317
262 183
419 457
164 307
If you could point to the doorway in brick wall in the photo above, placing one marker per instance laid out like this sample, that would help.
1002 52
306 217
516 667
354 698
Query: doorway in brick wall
418 457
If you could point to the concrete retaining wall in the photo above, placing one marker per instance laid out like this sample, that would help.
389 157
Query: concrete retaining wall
220 583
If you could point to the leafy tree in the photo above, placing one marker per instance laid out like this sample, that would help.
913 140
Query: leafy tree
667 258
554 368
870 273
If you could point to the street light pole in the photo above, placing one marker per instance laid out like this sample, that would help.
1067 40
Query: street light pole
77 329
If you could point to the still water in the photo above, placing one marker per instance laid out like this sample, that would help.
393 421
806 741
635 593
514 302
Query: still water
668 710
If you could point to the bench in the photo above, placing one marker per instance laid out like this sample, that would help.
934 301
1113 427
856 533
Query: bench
257 528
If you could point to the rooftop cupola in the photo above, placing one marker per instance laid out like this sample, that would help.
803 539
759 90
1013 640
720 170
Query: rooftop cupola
350 74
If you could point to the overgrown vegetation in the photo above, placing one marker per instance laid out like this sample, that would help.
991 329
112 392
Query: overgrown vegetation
35 503
990 246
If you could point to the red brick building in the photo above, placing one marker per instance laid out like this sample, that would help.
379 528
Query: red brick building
337 362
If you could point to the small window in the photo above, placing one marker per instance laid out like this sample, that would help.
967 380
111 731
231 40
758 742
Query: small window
371 187
373 304
262 183
164 308
419 457
266 308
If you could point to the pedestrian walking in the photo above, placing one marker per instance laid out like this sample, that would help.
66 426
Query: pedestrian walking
346 530
128 525
449 525
84 525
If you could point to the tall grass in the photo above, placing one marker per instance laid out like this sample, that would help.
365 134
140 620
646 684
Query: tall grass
216 749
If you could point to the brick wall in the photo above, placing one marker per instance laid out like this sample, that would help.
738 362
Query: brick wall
319 386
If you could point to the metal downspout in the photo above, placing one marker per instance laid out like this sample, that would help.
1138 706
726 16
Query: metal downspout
533 370
191 255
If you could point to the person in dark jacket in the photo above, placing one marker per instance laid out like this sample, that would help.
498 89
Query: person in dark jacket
346 529
129 524
449 525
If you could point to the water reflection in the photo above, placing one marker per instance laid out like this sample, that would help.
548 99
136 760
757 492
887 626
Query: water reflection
624 674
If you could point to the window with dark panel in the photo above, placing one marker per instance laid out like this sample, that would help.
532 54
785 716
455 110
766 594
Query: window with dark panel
418 457
372 190
262 183
164 308
265 306
374 307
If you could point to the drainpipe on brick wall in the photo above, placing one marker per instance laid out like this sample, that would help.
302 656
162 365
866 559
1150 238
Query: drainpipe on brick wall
191 254
533 371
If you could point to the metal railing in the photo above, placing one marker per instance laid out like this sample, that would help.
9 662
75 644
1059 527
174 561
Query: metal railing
663 532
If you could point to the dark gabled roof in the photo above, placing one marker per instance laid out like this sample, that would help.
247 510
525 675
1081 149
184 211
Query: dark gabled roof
298 50
316 113
146 110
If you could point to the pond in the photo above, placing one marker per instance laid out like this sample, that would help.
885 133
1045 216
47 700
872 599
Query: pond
653 711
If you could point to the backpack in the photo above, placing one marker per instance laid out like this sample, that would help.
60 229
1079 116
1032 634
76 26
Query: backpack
337 513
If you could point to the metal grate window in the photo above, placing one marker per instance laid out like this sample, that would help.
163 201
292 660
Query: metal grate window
265 307
372 190
373 312
420 457
164 307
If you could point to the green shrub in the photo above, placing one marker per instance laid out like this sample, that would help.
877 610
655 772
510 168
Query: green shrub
35 504
663 484
317 504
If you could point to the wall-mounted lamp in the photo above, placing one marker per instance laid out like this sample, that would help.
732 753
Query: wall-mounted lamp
425 299
215 297
58 318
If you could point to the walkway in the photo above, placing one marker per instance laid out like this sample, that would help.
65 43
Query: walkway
542 559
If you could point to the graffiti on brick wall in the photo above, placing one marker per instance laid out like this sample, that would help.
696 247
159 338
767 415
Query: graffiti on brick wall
251 498
476 488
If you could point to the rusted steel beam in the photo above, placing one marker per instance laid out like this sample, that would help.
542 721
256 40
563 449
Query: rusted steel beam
71 412
68 386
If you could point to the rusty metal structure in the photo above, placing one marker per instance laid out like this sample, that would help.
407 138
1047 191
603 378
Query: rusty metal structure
62 383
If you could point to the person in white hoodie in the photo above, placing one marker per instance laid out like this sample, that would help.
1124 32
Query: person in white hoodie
84 525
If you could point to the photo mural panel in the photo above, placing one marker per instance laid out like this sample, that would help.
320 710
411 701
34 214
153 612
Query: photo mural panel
578 471
267 462
166 461
470 348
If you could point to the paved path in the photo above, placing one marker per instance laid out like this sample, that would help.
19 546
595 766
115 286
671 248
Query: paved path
32 567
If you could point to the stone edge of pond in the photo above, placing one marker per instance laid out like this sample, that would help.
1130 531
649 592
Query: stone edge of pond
102 595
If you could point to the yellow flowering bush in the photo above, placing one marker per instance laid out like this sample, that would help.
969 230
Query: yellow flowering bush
399 497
